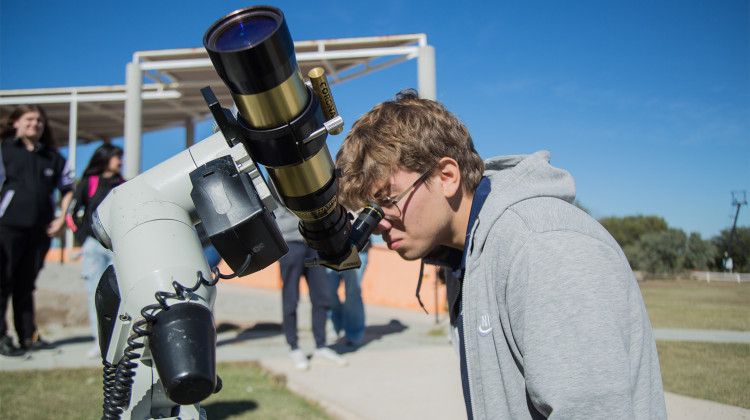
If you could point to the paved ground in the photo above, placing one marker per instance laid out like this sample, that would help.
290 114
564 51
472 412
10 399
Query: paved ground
406 368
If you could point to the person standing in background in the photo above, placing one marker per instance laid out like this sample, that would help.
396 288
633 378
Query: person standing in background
31 169
348 317
292 269
101 175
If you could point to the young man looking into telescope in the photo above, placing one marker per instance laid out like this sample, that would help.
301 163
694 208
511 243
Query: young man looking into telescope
549 315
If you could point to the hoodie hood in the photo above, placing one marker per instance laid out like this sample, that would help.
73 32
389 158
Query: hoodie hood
521 177
513 178
517 178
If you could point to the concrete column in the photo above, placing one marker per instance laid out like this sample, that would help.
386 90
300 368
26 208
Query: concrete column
426 73
133 120
73 131
189 133
72 153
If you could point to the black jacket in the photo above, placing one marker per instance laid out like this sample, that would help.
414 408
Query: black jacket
27 196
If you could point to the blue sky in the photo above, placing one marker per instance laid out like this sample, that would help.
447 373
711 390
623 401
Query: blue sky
646 103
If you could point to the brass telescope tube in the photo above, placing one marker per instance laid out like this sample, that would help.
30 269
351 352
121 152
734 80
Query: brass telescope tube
253 52
278 107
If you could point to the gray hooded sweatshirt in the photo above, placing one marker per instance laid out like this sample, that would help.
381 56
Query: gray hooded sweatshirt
554 321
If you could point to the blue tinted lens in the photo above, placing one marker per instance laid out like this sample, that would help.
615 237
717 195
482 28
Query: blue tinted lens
245 33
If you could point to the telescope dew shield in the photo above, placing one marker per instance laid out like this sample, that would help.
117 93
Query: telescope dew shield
253 52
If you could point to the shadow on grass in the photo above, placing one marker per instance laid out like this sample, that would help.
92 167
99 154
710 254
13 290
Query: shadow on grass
226 409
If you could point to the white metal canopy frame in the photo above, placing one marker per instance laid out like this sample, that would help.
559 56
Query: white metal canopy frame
162 89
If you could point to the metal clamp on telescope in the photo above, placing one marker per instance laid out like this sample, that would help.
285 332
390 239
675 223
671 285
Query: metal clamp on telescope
284 127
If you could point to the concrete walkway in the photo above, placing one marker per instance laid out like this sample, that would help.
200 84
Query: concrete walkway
406 368
705 336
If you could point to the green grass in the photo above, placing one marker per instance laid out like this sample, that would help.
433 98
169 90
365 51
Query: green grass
711 371
252 393
698 305
249 393
35 394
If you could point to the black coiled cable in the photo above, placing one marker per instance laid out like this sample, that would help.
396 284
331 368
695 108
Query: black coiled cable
111 411
118 379
117 390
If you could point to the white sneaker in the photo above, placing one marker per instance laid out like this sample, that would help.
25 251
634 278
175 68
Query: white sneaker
328 356
299 359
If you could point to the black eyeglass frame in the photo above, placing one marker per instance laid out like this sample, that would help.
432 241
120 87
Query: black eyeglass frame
388 201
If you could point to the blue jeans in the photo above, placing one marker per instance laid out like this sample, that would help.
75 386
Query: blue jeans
348 316
292 267
94 261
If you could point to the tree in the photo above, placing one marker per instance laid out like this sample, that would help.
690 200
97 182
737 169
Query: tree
659 252
627 230
699 254
739 251
651 245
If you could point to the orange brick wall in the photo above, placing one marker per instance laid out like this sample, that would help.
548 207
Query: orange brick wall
388 280
53 255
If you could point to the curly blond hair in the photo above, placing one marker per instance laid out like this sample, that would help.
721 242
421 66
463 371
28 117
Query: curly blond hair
406 133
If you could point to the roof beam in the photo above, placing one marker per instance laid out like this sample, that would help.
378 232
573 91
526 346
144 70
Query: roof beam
63 128
86 97
98 110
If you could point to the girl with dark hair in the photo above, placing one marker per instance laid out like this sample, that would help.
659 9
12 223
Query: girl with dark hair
8 126
101 175
102 163
31 169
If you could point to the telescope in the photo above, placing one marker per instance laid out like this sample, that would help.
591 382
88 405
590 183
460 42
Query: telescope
283 125
155 303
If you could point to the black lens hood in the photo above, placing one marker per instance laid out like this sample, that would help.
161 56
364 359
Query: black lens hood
256 68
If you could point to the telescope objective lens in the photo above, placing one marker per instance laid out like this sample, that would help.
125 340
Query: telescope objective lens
246 32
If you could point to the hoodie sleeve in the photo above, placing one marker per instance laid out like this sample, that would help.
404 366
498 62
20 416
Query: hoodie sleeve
571 310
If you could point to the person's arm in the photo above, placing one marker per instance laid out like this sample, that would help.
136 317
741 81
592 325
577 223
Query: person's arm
574 323
57 225
66 185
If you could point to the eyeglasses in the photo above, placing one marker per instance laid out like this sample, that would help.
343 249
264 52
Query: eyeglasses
386 202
